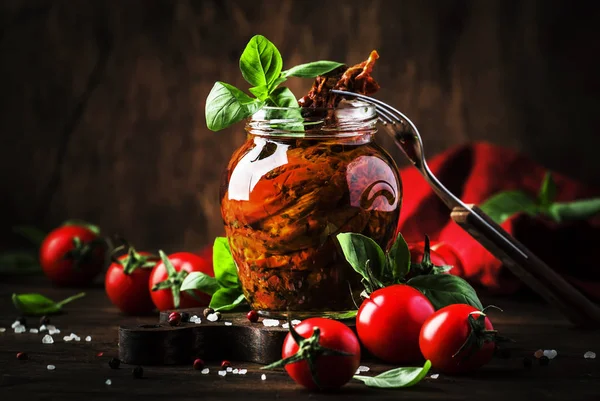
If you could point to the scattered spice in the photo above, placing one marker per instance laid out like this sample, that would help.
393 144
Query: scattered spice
263 377
44 320
22 356
100 354
205 371
185 317
175 318
108 382
208 311
544 360
222 372
589 355
539 353
213 317
252 316
198 364
435 376
51 367
114 363
138 372
22 321
550 353
47 339
225 364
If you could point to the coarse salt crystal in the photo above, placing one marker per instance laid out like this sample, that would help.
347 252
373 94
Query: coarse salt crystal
229 370
47 339
435 375
34 331
285 325
228 323
15 324
358 372
53 332
263 377
222 372
539 353
589 355
51 327
243 371
363 368
108 382
2 329
77 338
235 371
550 353
270 322
51 367
213 317
73 336
20 329
43 327
295 322
88 338
205 371
67 338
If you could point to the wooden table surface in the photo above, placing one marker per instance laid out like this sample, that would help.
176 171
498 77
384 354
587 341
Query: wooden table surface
81 374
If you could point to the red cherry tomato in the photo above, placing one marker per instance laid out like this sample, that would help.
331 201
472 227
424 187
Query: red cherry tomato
129 291
69 258
445 332
389 321
441 254
333 371
163 299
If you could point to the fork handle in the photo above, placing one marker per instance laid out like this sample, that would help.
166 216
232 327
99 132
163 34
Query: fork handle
531 270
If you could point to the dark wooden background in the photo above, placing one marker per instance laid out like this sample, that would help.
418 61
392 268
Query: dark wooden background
102 102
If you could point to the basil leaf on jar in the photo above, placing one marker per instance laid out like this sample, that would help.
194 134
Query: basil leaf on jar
397 378
227 105
312 70
260 62
399 259
446 289
224 265
227 299
358 249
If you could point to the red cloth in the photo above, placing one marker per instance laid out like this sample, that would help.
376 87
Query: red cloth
477 171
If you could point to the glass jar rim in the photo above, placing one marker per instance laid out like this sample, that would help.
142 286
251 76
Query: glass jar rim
349 118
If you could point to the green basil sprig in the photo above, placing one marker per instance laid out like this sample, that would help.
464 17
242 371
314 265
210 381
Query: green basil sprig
380 269
225 287
261 65
397 378
501 206
37 305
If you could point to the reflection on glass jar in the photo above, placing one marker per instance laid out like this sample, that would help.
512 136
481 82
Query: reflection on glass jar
290 189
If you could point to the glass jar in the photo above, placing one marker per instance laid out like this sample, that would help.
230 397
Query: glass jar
302 177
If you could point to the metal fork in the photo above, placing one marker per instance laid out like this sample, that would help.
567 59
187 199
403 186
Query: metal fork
523 263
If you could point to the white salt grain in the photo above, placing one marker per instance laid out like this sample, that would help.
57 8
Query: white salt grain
270 322
235 371
34 331
77 339
589 355
358 372
51 367
43 327
213 317
2 329
550 353
435 376
228 323
243 371
263 377
53 331
285 325
47 339
222 372
108 382
295 322
15 324
88 339
205 371
20 329
229 370
67 338
51 327
363 368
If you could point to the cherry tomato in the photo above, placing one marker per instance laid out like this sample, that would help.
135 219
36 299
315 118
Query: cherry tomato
445 332
389 321
126 282
332 371
72 255
441 254
182 261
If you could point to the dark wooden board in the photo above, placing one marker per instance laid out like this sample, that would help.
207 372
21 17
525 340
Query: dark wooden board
160 343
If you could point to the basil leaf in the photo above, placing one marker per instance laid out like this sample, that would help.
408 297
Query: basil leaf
283 97
576 210
311 70
340 315
19 263
224 265
547 192
81 223
227 299
446 289
503 205
358 249
227 105
31 233
397 378
261 92
201 282
399 258
37 304
260 62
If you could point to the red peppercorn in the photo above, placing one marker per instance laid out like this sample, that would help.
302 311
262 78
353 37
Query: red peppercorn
252 316
198 364
225 364
22 356
175 318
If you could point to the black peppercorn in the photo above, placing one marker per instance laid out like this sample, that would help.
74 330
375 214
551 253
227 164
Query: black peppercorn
114 363
138 372
22 356
218 314
44 321
185 317
208 311
544 360
527 362
22 320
